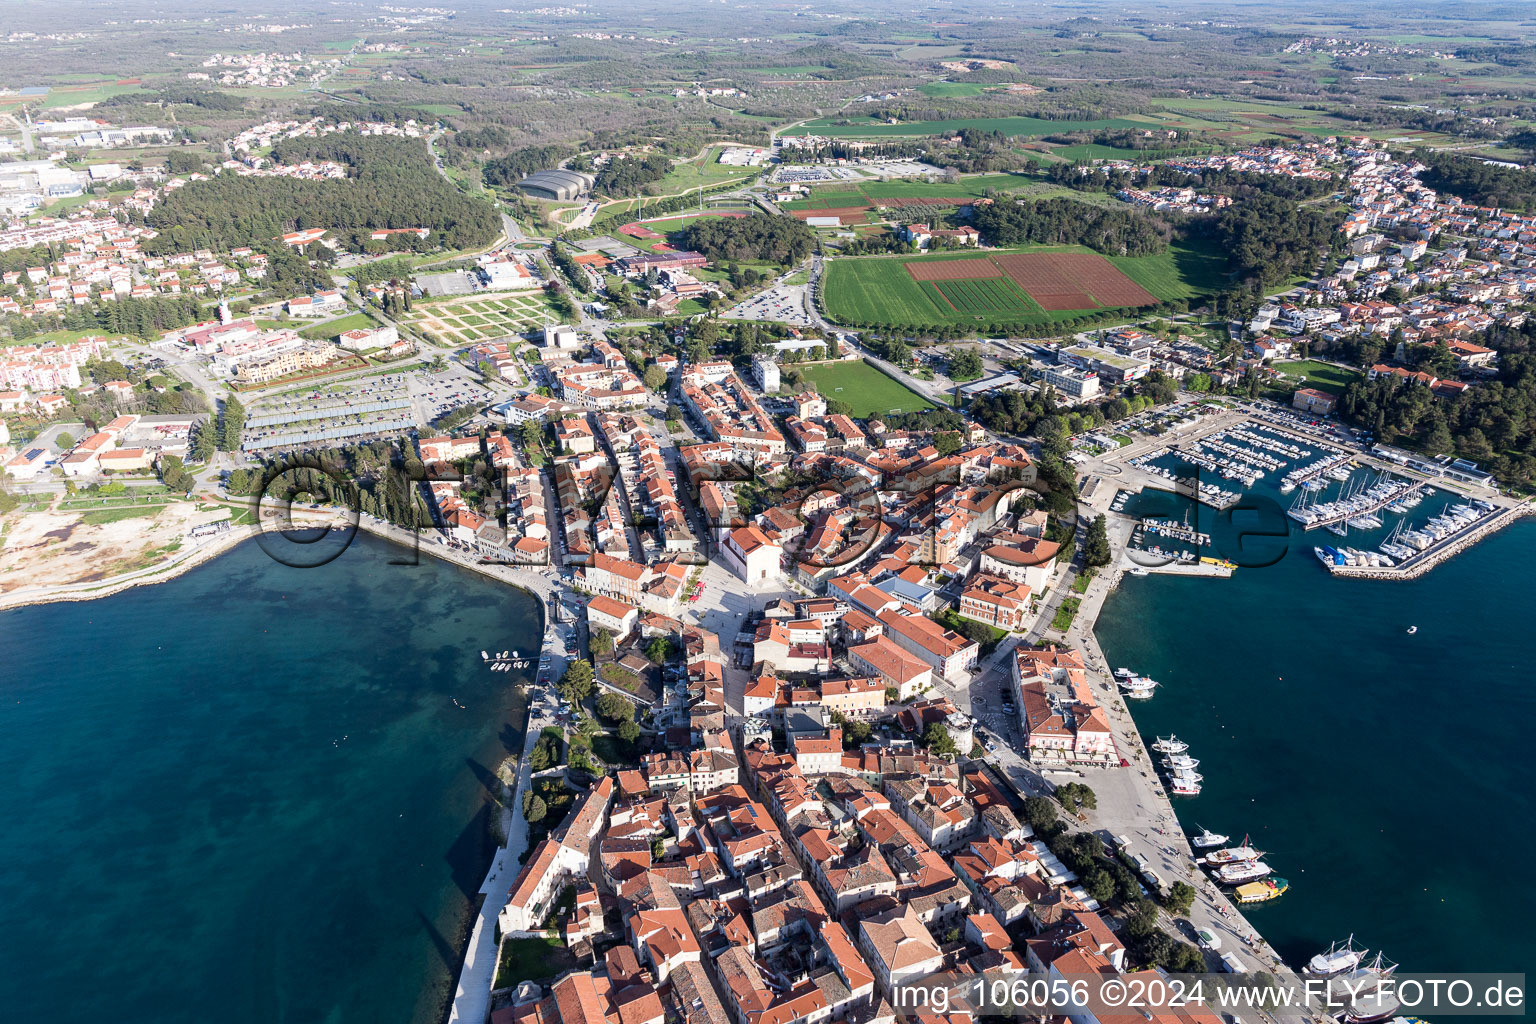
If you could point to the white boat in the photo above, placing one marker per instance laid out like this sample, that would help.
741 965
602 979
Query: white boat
1232 855
1207 839
1181 786
1336 959
1138 687
1242 871
484 656
1171 745
1412 630
1180 762
1124 673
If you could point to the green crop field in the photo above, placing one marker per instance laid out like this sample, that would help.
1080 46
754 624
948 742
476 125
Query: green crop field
946 89
864 388
1182 271
1012 126
980 297
880 290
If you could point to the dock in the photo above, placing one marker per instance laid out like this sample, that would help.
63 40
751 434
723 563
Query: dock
1449 547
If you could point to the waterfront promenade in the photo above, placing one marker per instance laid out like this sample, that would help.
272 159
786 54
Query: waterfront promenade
1132 802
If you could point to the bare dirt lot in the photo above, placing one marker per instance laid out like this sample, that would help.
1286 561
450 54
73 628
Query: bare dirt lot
54 548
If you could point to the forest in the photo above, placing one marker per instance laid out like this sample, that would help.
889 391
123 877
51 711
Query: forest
758 237
391 184
1269 239
518 164
628 176
1493 423
1477 182
1067 222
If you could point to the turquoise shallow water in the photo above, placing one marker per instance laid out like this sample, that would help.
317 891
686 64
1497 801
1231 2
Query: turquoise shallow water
1387 775
247 795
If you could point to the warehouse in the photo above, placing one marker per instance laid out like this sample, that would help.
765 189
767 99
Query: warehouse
556 184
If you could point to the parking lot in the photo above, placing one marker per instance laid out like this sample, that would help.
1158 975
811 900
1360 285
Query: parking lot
780 304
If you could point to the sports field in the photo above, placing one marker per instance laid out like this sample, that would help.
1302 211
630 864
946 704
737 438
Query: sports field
864 388
1035 285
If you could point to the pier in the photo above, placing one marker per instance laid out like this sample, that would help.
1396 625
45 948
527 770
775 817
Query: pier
1397 493
1449 547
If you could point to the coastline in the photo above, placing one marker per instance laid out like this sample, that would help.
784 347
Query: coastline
184 561
1134 802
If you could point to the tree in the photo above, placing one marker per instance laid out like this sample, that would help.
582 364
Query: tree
232 424
1076 797
65 440
892 695
629 730
1096 547
203 443
658 650
946 443
1142 921
537 809
601 643
655 378
937 739
576 684
658 848
965 365
1181 896
614 707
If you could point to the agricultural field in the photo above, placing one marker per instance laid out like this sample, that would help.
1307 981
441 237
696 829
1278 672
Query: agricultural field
1011 126
465 321
1032 285
856 202
864 388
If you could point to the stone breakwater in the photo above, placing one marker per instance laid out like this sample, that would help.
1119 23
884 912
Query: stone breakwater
1448 548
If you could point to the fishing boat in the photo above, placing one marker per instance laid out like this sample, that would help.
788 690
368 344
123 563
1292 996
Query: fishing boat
1261 891
1242 871
1207 839
1336 959
1171 745
1180 762
1181 785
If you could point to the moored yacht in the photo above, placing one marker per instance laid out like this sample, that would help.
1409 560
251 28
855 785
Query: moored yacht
1336 959
1207 839
1242 871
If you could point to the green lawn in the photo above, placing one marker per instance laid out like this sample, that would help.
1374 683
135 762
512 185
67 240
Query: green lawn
102 517
330 329
1323 376
1065 613
530 960
864 388
1012 126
